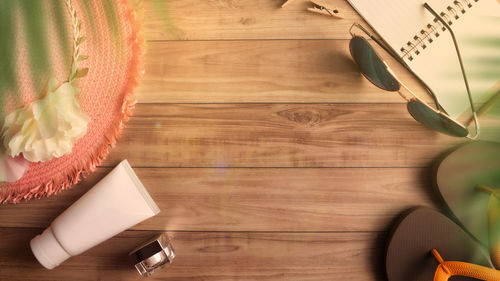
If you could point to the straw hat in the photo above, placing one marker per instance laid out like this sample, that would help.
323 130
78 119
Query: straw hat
105 37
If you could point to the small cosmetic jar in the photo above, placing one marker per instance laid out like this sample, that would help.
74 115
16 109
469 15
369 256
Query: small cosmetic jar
153 255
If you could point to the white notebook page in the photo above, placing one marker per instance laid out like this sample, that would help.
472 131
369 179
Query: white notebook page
477 31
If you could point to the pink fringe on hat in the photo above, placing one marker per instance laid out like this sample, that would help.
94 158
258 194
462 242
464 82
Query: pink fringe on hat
115 67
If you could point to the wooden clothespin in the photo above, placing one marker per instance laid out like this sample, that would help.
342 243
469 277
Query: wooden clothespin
322 8
286 3
319 7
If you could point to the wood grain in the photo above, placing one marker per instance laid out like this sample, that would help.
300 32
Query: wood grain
216 256
269 154
277 135
261 71
245 19
341 199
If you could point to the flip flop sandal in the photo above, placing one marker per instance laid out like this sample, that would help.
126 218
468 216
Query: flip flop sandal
426 245
468 180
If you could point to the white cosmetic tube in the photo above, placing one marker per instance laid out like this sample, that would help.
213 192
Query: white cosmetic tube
116 203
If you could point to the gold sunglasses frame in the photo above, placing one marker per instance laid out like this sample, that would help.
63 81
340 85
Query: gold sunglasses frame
439 110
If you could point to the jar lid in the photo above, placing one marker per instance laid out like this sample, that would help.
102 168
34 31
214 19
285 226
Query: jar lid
153 254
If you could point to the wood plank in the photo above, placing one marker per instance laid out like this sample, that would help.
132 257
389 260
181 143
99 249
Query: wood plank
210 257
277 135
343 199
286 71
262 222
245 19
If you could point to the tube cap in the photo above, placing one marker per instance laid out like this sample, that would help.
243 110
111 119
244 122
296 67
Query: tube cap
47 250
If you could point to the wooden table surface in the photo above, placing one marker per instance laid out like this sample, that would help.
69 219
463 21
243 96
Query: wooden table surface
269 154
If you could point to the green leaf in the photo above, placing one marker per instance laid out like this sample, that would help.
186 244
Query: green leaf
80 40
64 41
35 28
162 10
112 19
90 14
8 77
81 72
82 57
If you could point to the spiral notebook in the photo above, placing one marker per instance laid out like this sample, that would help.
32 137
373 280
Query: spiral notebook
411 32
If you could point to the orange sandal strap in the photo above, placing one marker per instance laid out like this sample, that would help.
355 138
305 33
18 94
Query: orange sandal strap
447 269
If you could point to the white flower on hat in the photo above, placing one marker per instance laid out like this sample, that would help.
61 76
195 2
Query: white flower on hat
46 128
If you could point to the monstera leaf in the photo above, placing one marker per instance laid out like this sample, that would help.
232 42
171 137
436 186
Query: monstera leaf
40 40
33 19
24 31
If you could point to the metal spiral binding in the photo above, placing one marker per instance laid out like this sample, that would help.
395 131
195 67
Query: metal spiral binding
446 17
453 12
427 35
460 5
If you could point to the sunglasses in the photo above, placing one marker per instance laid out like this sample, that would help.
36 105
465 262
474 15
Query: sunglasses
375 70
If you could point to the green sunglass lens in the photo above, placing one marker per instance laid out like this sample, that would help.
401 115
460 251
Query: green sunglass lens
371 65
435 120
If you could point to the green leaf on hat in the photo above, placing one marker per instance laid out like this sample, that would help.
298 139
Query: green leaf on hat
81 72
80 40
82 57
